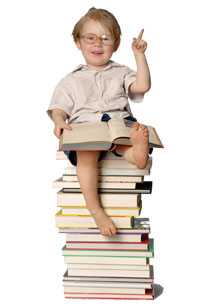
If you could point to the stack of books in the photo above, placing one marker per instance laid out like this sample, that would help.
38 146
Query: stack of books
116 267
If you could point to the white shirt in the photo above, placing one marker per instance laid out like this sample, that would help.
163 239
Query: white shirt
85 94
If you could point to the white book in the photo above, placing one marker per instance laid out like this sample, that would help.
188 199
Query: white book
115 163
108 284
59 183
116 253
108 266
102 238
104 260
148 295
108 246
141 225
107 178
105 290
109 273
113 171
107 200
113 211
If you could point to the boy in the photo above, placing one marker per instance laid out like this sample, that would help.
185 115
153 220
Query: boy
98 91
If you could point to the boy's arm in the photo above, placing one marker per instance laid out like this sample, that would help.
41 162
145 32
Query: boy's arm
142 84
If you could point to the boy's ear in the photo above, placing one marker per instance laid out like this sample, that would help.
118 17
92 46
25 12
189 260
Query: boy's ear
78 45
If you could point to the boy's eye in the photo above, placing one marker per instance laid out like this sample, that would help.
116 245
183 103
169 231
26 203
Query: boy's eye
106 39
90 37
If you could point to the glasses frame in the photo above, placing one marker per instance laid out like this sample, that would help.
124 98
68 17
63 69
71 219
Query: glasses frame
96 37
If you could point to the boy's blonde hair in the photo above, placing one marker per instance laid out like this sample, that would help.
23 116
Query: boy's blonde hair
106 18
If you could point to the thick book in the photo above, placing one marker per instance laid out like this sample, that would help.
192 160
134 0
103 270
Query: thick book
140 188
109 272
141 225
106 171
101 136
75 221
107 284
59 183
108 246
105 290
107 178
149 295
107 199
109 266
126 253
138 280
92 237
113 211
109 260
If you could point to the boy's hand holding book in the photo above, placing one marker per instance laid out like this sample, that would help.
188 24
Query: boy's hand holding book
59 126
59 118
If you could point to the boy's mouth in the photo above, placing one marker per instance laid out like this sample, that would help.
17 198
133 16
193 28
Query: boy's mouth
97 52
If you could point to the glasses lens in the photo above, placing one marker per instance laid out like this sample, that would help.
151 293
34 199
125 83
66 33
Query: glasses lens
107 39
92 38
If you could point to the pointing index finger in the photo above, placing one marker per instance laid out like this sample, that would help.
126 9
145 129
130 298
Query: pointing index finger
140 34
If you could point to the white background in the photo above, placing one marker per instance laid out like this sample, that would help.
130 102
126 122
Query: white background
36 51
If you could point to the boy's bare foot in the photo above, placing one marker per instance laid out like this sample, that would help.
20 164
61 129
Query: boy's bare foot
138 153
104 223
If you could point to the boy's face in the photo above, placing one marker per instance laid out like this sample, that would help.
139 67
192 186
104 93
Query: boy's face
96 52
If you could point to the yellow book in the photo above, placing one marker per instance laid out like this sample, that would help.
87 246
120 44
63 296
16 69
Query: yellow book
87 221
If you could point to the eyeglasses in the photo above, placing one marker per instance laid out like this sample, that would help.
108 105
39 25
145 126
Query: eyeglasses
90 38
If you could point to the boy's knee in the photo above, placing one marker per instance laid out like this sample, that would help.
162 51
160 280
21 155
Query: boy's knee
85 157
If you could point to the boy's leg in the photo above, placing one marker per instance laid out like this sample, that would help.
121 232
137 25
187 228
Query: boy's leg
137 153
87 172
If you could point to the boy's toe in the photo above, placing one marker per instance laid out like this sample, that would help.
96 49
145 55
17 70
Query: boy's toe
103 231
136 126
113 231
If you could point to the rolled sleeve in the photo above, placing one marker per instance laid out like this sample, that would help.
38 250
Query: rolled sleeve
129 78
61 99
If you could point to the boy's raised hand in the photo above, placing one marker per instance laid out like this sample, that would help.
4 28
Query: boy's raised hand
59 126
138 45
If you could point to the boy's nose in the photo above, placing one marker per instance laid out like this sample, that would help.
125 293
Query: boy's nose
98 41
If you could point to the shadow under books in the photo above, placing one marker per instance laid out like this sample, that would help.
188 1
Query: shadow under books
158 290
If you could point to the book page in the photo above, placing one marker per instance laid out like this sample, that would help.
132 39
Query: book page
120 133
86 132
118 130
154 139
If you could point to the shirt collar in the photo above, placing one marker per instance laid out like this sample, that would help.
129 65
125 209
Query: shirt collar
83 67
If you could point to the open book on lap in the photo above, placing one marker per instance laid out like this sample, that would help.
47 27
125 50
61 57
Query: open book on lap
101 136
